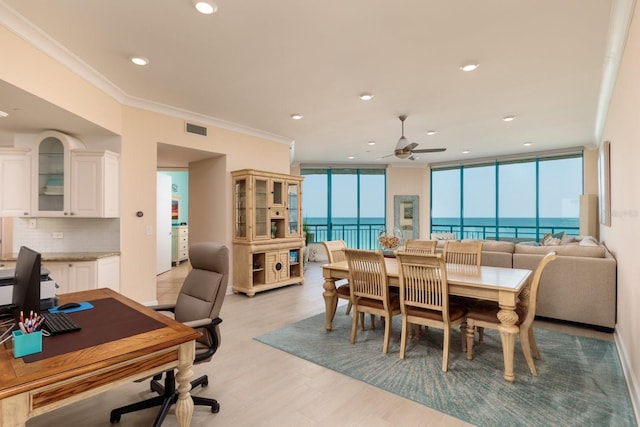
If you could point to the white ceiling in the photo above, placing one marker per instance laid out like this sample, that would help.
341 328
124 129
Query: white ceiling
254 63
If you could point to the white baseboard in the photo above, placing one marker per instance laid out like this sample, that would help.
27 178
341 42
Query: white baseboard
632 380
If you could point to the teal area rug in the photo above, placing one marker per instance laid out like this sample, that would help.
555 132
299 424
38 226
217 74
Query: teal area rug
580 380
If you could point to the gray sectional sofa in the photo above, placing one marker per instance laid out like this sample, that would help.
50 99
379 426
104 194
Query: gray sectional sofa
580 286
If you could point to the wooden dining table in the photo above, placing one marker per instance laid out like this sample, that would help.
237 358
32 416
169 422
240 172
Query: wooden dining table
499 284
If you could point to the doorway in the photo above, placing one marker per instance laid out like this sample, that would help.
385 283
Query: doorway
175 162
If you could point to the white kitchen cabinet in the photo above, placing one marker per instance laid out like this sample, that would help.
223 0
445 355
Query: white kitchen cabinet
71 181
52 174
15 181
95 184
109 273
73 276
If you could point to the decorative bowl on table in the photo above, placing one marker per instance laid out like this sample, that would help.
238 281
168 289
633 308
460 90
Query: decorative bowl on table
389 241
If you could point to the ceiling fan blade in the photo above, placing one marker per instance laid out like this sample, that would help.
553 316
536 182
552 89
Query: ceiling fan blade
388 155
411 146
429 150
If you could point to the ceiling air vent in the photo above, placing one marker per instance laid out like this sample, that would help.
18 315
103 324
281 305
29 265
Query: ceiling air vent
198 130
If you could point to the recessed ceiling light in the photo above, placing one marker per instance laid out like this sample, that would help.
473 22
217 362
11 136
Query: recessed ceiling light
296 116
431 132
139 60
508 118
366 96
469 67
371 143
351 157
466 152
527 144
205 7
3 114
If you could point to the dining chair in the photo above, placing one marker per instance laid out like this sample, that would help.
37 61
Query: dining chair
485 315
335 253
420 246
424 299
370 291
467 253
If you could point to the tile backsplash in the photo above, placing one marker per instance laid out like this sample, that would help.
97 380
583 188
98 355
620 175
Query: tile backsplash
78 234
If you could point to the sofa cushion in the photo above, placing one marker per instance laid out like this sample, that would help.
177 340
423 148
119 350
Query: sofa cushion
588 241
572 249
495 245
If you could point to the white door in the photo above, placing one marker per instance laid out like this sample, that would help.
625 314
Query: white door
163 226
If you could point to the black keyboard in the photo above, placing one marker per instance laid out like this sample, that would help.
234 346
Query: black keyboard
59 323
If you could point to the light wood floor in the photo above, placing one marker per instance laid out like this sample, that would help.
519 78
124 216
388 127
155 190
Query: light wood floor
257 385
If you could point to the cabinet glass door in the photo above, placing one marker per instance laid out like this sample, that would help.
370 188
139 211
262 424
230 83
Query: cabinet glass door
51 175
240 189
293 205
262 218
277 193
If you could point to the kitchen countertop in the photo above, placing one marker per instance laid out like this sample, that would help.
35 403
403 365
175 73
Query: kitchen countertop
63 256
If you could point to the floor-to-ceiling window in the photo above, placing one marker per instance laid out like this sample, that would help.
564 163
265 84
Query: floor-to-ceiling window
508 199
344 203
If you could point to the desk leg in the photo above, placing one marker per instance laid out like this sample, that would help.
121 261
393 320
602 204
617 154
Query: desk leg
14 410
184 405
330 300
508 333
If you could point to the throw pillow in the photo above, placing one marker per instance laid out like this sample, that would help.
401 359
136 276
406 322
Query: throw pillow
549 240
558 235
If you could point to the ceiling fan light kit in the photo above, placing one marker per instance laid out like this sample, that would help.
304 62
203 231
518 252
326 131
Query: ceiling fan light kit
406 150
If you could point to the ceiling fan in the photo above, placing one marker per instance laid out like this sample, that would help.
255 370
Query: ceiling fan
406 150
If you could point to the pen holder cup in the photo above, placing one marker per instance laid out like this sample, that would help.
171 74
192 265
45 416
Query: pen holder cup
25 344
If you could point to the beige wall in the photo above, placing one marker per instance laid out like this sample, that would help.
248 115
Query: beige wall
409 181
623 130
209 193
31 70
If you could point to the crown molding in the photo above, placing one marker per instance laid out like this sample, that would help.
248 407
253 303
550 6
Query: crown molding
24 29
619 23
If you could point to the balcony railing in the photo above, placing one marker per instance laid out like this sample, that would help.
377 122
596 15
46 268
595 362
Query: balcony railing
365 236
361 236
509 232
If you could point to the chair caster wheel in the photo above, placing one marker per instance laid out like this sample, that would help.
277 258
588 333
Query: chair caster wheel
215 408
114 419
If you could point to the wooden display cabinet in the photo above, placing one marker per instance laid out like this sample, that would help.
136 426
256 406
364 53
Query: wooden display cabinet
268 242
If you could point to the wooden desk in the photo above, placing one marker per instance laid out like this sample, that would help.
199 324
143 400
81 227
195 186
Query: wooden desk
31 389
487 283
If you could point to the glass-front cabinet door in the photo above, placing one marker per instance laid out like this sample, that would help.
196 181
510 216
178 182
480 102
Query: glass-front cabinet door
51 176
52 173
261 189
293 209
240 196
277 193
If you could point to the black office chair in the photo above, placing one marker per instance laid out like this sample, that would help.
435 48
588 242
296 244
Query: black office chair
198 305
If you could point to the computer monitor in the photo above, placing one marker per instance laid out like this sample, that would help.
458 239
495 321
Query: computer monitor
26 286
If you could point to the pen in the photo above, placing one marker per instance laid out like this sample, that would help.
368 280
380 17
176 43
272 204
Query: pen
22 328
21 317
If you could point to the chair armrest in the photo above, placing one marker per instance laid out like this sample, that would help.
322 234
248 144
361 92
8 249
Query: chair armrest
198 323
211 327
164 307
